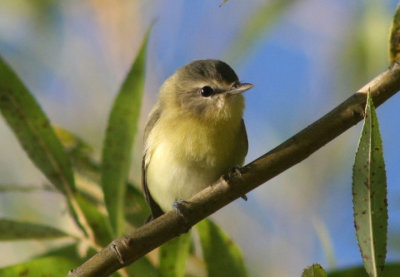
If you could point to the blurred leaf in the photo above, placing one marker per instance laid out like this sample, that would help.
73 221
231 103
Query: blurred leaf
258 23
67 251
96 220
136 209
142 267
48 266
80 153
173 255
326 242
390 270
18 188
33 130
369 194
314 271
394 44
223 2
118 142
364 53
221 255
71 253
17 230
87 169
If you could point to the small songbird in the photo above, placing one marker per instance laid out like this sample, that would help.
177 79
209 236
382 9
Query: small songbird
195 133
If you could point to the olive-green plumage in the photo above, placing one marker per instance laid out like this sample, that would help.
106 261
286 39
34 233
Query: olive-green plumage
194 134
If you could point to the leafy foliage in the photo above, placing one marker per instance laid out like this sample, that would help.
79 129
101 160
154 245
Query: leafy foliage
173 255
33 130
314 271
394 44
221 254
16 230
369 194
119 140
390 270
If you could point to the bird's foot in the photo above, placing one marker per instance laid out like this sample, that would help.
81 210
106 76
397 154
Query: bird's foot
181 208
232 173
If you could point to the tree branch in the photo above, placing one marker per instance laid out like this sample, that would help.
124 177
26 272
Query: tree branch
131 247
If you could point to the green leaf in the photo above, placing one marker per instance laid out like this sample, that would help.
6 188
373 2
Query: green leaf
314 271
136 208
119 140
17 230
173 255
69 251
369 194
142 267
48 266
326 242
394 43
80 153
256 25
364 53
97 221
33 130
18 188
390 270
221 255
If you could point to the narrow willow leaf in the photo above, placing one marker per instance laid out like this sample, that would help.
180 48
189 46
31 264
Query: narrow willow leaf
88 178
69 251
97 221
142 267
47 266
17 230
326 242
391 270
258 23
18 188
33 130
394 43
221 254
118 141
136 208
173 255
79 152
314 271
369 194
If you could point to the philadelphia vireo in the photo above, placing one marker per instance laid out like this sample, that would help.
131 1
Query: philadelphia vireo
195 133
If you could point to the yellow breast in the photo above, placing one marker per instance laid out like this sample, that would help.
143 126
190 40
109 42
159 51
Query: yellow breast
201 143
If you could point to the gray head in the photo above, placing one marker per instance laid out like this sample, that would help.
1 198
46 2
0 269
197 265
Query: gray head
209 89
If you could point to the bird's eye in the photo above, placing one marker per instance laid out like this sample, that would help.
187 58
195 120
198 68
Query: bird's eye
207 91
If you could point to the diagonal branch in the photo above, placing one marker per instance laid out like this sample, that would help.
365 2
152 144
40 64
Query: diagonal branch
131 247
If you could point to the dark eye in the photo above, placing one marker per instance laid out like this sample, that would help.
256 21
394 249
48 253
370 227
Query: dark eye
206 91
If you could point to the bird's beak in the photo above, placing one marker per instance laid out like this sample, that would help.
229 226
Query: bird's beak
239 88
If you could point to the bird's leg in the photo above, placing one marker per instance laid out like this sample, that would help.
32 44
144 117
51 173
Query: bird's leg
234 172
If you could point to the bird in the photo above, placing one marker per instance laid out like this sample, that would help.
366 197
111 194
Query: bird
194 134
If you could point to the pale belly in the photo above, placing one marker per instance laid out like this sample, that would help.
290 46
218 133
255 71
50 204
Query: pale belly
170 179
185 160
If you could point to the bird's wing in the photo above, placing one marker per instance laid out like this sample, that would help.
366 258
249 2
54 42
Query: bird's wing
154 207
244 140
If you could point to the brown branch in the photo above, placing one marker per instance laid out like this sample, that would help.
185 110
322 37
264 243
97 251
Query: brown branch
129 248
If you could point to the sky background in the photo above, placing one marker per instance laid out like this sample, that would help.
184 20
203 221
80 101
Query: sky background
304 58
